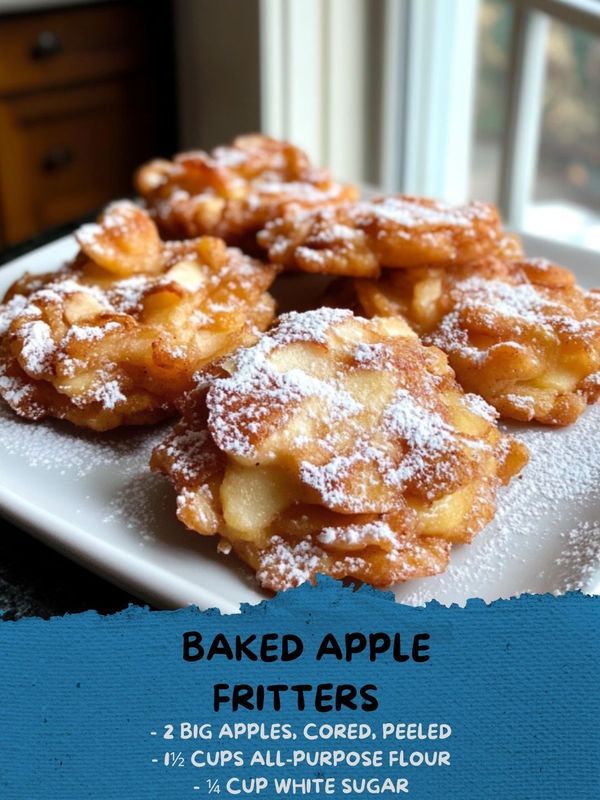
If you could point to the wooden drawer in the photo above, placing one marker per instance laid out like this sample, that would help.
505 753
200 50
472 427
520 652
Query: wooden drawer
69 46
65 153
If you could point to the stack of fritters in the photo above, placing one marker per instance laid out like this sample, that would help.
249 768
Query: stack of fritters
234 190
337 445
115 337
359 238
520 333
331 443
517 331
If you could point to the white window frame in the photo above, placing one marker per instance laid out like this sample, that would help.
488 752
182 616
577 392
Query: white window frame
429 79
432 154
303 56
526 92
428 75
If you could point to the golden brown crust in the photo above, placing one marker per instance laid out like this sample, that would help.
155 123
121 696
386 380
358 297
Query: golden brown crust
519 333
359 238
337 445
115 337
234 190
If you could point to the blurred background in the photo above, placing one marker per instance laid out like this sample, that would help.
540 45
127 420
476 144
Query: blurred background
493 99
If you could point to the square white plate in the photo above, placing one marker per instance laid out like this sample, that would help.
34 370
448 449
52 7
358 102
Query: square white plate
92 498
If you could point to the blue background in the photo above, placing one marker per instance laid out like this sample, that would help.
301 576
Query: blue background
517 680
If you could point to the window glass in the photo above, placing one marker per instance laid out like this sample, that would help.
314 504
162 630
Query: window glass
495 24
566 195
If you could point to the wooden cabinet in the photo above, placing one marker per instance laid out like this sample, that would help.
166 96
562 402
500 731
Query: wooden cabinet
85 96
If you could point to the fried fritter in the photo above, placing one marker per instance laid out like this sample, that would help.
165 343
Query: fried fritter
521 334
358 239
115 337
233 191
337 445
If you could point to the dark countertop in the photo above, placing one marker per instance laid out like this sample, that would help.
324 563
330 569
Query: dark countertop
34 579
37 581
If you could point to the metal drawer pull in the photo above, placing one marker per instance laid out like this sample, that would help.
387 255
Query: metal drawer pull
57 158
46 45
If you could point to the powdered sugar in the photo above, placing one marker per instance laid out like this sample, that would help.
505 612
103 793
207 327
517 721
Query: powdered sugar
15 307
295 562
419 427
480 407
50 335
352 453
332 480
38 347
267 390
521 302
409 213
57 290
109 394
357 535
545 533
544 538
523 305
59 447
524 403
142 505
116 222
372 355
290 190
308 326
333 233
90 333
13 389
230 157
578 561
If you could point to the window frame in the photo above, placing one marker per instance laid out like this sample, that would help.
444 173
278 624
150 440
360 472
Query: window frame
428 68
302 58
520 151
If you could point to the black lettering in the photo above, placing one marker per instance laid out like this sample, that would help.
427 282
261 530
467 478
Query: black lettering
291 647
219 698
242 697
268 647
192 649
329 647
220 647
419 649
355 643
344 697
300 689
367 693
379 643
242 648
324 698
399 656
276 690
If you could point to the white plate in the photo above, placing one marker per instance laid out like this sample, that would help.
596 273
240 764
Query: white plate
92 498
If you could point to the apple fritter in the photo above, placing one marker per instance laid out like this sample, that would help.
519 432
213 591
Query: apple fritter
521 334
234 190
337 445
115 337
359 238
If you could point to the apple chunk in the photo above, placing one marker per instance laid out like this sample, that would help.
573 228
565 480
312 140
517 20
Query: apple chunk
252 497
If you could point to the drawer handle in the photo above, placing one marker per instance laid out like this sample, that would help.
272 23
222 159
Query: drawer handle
57 158
46 45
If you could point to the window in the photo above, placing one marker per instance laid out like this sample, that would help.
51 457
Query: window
495 99
566 192
495 24
559 123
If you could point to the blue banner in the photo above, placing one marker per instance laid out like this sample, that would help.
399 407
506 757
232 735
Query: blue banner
320 691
